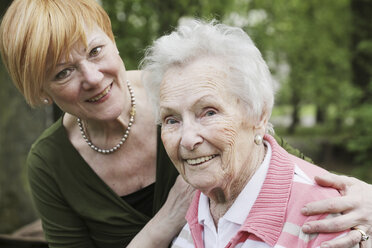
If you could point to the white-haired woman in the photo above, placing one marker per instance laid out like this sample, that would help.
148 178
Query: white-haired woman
214 95
99 176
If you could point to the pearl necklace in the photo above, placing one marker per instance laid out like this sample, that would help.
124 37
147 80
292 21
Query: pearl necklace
126 134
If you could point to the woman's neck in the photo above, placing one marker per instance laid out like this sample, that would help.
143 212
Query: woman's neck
221 199
112 128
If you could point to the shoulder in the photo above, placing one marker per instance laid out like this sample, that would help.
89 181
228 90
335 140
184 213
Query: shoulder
305 185
305 190
134 77
49 138
47 149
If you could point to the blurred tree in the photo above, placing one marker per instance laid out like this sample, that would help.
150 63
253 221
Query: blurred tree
19 126
360 138
136 23
361 47
306 44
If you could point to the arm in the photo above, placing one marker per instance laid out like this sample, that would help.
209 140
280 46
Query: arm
166 224
61 226
355 206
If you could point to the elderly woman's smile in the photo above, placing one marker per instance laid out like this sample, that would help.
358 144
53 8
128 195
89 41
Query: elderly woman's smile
200 160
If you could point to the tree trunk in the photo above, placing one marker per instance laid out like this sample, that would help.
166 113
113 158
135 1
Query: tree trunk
362 52
320 115
295 103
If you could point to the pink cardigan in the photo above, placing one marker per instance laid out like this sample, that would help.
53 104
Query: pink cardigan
275 217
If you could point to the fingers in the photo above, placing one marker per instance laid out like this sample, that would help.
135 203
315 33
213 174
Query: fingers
348 241
333 180
331 205
336 224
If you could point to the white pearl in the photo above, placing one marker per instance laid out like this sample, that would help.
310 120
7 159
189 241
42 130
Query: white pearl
126 133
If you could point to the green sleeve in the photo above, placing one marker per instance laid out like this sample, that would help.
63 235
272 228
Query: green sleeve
290 149
62 226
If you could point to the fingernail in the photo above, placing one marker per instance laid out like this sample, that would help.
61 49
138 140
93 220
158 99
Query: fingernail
304 210
305 228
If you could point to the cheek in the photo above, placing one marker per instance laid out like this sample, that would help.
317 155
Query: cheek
115 64
224 133
170 144
225 139
66 94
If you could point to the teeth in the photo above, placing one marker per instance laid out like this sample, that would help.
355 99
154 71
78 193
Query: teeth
96 98
199 160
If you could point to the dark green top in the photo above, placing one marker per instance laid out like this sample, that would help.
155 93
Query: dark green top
76 207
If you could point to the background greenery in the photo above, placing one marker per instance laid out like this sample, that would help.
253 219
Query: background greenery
320 53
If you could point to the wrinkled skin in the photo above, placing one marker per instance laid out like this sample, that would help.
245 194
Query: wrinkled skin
206 133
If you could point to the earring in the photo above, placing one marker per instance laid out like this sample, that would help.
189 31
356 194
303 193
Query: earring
258 139
45 101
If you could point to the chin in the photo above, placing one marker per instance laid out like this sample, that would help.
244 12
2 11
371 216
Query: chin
114 111
203 186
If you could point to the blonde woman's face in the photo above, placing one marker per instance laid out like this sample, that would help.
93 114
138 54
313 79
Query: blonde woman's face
91 84
204 130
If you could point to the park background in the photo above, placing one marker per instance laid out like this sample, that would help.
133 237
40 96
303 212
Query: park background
319 52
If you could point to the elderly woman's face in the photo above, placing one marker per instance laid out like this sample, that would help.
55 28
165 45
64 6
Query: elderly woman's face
92 82
204 128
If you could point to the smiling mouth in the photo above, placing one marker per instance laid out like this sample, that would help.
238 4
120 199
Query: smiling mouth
101 95
200 160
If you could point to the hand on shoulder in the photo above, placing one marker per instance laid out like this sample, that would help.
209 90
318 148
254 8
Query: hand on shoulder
355 205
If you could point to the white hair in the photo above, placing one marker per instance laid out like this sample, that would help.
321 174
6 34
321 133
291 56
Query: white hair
250 78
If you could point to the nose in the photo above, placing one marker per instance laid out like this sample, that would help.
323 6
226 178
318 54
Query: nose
191 137
91 75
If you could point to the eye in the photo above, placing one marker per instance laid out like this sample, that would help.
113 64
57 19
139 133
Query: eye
64 74
95 51
170 121
210 112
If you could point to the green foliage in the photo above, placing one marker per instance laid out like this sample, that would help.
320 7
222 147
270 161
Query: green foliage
136 23
360 140
19 126
306 44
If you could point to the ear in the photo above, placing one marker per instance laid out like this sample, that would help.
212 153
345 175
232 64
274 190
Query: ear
263 120
46 99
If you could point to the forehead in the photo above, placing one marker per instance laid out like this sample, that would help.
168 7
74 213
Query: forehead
204 75
64 53
89 36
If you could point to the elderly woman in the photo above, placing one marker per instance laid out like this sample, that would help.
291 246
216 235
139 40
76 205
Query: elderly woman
214 97
99 176
100 173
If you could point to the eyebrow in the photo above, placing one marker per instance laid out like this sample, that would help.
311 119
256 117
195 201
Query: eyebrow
62 64
205 98
89 44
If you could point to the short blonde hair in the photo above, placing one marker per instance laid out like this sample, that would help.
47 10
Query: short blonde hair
35 34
